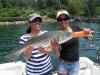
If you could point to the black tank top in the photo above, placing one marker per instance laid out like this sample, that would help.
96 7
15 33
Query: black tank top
70 49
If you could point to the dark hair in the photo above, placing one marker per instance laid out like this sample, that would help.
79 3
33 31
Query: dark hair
28 30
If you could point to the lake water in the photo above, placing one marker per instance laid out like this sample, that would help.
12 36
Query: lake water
9 39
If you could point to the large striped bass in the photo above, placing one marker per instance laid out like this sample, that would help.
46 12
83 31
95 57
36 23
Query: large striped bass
43 40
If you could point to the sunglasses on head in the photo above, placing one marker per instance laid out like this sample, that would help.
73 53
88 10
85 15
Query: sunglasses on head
62 19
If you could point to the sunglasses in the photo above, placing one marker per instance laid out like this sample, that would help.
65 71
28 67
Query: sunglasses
64 19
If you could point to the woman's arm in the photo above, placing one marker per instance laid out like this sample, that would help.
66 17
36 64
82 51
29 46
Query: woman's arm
86 33
56 47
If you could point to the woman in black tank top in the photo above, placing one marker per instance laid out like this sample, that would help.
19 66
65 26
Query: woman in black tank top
68 63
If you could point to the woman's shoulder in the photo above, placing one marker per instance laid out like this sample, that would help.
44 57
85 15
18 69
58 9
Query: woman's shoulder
24 36
23 39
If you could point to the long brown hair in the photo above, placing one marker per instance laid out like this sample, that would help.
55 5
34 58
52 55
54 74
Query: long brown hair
28 30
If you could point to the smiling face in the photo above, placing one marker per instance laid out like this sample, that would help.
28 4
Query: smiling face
63 21
35 24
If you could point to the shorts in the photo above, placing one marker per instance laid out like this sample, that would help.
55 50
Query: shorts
72 68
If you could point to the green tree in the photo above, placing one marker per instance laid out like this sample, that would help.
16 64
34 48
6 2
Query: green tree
97 3
90 8
76 7
97 11
4 3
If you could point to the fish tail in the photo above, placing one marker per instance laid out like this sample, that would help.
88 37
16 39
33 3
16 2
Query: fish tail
12 56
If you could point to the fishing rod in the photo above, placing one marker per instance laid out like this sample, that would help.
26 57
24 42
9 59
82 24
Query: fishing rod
88 11
60 6
92 41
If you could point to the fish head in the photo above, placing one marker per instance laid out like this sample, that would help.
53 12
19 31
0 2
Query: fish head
64 37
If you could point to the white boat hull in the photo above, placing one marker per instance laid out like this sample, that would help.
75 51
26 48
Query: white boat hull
87 67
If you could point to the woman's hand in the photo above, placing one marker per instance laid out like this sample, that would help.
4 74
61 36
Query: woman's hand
55 44
46 50
27 53
55 48
88 33
87 30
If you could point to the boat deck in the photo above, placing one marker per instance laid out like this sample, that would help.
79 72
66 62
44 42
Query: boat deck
87 67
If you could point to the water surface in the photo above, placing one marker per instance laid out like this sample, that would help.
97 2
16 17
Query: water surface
9 39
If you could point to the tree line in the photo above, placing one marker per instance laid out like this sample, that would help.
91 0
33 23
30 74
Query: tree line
11 10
